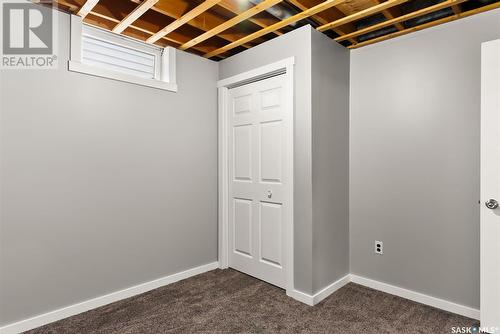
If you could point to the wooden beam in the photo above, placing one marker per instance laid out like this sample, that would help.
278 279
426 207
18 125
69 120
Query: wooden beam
283 23
71 7
230 23
86 8
302 7
134 32
388 15
168 40
344 11
428 25
103 23
402 18
204 22
204 6
233 8
361 14
320 19
145 31
136 13
456 9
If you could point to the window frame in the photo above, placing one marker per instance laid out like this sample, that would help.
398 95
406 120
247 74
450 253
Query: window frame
165 72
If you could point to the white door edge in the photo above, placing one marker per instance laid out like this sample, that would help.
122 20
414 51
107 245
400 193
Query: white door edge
489 219
284 66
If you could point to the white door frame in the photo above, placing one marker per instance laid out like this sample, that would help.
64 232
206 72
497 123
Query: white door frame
283 67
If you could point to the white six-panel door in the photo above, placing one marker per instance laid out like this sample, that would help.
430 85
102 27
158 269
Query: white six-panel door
258 184
490 187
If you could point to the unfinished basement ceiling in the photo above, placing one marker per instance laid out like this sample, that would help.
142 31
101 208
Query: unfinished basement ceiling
217 29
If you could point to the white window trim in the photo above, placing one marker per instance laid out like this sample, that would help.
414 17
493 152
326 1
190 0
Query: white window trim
167 74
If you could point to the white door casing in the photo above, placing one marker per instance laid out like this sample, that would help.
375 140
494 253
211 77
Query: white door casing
490 186
256 173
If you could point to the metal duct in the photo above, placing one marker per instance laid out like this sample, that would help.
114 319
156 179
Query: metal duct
409 7
283 11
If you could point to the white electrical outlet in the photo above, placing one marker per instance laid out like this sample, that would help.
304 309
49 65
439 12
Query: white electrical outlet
379 247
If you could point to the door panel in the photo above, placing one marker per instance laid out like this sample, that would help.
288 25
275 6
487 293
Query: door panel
243 226
490 187
270 151
258 121
271 98
270 232
242 104
242 143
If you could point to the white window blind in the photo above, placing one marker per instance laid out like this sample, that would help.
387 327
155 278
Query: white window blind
115 53
101 53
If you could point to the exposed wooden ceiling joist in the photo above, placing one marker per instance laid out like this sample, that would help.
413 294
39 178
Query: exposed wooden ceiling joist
300 16
456 9
204 22
130 18
361 14
234 8
132 31
406 17
204 6
230 23
86 8
220 28
388 15
428 25
132 27
320 19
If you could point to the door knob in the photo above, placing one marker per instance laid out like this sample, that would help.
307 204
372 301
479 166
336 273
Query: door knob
492 204
270 194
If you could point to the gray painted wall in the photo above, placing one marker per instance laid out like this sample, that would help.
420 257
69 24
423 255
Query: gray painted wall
415 113
330 160
293 44
99 180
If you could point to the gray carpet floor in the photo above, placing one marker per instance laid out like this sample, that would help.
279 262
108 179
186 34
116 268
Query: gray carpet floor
226 301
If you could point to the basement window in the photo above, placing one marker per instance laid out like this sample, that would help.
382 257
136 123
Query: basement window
122 56
101 53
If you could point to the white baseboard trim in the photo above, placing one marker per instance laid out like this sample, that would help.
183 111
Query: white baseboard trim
418 297
87 305
442 304
301 297
319 296
312 300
